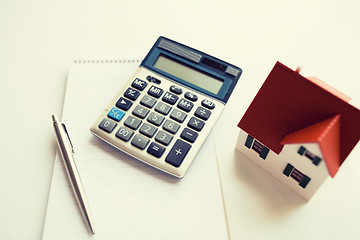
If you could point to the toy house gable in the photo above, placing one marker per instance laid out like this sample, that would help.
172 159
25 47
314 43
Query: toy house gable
293 118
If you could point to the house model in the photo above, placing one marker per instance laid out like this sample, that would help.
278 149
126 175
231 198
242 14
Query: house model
299 129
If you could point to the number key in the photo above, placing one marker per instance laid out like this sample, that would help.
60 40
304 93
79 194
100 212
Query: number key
148 130
163 137
178 115
171 127
155 118
132 122
148 101
107 125
124 134
162 108
140 111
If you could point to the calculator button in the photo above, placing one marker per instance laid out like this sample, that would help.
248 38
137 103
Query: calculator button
131 94
170 98
176 90
202 113
123 104
189 135
163 137
190 96
156 150
148 130
116 114
124 134
155 91
148 101
140 111
139 84
178 153
208 104
140 141
178 115
171 126
107 125
153 79
155 119
185 105
196 124
132 122
162 108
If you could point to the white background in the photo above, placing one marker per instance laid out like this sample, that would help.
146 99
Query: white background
39 39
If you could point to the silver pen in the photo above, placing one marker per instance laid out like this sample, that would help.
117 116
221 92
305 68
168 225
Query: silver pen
66 150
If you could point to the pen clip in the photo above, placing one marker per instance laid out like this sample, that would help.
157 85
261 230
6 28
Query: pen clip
67 134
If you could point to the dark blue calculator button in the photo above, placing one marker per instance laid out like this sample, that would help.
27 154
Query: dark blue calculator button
190 96
156 150
208 104
185 105
123 104
189 135
139 84
155 91
170 98
131 94
178 153
176 90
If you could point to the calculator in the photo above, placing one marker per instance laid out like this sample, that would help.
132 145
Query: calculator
165 111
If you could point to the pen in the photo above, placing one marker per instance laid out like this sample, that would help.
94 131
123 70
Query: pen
66 150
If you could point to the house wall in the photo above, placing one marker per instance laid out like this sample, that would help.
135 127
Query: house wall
276 164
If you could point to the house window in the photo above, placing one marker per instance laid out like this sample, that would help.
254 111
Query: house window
295 174
303 152
251 143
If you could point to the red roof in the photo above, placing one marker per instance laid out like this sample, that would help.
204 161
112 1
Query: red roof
288 102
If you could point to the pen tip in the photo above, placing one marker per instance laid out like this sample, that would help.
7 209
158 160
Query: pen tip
54 118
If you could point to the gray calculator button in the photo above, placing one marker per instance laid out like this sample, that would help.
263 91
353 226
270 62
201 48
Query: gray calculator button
163 137
178 115
148 130
124 134
140 141
185 105
148 101
140 111
171 126
107 125
132 122
162 108
196 124
155 118
202 113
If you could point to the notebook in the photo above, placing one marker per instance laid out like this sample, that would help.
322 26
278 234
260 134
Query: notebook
128 199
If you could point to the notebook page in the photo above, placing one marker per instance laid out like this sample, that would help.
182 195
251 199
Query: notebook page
128 199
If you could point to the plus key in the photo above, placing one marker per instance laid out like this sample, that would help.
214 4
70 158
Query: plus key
177 153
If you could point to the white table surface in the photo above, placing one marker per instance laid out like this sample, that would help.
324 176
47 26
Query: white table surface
39 39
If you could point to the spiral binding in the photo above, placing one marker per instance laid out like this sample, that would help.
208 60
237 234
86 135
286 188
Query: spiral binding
108 61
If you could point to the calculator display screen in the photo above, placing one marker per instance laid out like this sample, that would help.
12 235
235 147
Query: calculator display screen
188 74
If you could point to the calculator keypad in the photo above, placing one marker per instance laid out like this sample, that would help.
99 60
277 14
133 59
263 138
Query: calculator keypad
153 122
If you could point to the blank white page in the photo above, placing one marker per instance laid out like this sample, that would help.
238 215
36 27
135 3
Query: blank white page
128 199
